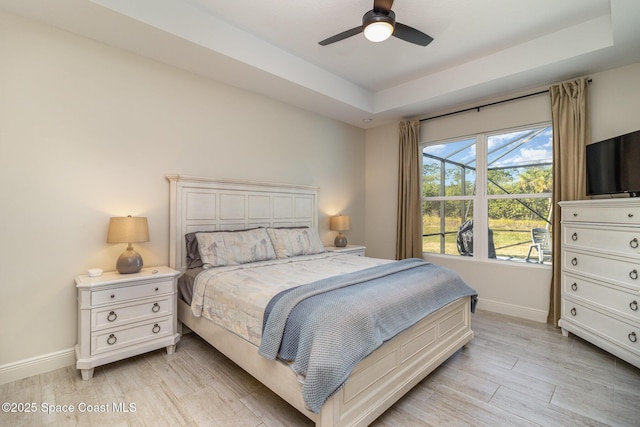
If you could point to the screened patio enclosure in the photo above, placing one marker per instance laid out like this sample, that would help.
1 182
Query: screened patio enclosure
508 175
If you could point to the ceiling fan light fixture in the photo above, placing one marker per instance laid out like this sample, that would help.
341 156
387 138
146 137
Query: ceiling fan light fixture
378 31
378 26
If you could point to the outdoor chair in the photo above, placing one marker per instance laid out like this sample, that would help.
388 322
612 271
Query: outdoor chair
541 243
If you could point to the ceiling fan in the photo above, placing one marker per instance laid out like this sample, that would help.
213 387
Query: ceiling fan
379 24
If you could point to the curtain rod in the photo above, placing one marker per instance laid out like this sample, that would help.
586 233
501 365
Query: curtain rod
488 105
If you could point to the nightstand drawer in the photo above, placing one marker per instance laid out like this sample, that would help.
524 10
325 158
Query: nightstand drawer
131 292
110 316
111 339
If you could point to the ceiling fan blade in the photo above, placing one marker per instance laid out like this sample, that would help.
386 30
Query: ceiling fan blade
343 35
411 35
382 5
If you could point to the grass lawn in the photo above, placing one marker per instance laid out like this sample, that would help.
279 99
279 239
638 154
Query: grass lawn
511 238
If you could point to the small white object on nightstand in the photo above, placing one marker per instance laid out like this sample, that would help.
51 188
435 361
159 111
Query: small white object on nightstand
123 315
349 249
94 272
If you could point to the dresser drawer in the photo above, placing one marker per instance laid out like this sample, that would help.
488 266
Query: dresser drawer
144 289
110 316
622 334
116 338
623 271
601 214
625 241
607 296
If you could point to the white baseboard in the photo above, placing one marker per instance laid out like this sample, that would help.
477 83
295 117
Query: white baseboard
513 310
36 365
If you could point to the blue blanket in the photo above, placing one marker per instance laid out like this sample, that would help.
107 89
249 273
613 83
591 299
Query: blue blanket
328 326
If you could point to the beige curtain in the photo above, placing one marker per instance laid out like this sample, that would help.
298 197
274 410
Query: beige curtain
571 134
409 226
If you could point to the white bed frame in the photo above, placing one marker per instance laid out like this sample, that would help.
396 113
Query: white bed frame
379 380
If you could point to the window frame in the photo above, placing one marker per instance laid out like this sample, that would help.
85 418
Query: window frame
481 198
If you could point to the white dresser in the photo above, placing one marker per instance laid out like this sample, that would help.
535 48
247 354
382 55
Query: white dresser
601 274
123 315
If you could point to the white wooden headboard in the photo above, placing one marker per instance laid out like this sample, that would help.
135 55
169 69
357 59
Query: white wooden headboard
217 204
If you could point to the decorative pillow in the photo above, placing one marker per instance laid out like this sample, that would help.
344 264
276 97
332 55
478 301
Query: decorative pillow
234 247
289 242
193 253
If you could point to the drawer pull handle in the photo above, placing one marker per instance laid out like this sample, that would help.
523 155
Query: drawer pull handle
575 214
156 328
574 286
112 316
633 305
573 311
633 274
113 296
156 307
630 215
634 243
632 337
112 339
574 236
574 261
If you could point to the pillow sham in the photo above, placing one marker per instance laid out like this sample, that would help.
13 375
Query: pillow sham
193 253
222 248
192 249
289 242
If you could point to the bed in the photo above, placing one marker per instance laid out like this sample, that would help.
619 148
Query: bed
200 205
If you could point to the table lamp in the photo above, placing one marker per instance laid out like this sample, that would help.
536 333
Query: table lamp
128 230
340 223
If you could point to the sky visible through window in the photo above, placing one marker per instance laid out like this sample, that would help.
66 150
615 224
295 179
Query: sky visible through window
524 148
509 150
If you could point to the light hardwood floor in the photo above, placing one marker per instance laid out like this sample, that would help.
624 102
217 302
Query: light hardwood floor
514 373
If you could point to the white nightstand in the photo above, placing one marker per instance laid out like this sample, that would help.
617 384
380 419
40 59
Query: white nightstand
349 249
123 315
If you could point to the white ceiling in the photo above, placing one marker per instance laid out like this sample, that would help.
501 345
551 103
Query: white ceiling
482 48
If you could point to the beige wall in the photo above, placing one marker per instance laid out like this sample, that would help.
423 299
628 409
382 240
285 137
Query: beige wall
615 102
521 290
88 132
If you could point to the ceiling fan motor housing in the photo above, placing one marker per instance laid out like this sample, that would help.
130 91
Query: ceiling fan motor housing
379 16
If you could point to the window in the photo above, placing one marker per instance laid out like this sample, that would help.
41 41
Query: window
500 182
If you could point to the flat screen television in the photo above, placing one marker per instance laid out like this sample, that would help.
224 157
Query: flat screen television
613 166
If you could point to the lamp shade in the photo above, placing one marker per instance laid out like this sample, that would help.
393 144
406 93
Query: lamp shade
128 229
340 223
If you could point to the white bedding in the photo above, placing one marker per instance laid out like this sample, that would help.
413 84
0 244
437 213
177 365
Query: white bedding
235 297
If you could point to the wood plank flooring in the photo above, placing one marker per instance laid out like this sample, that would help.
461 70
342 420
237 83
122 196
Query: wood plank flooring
514 373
